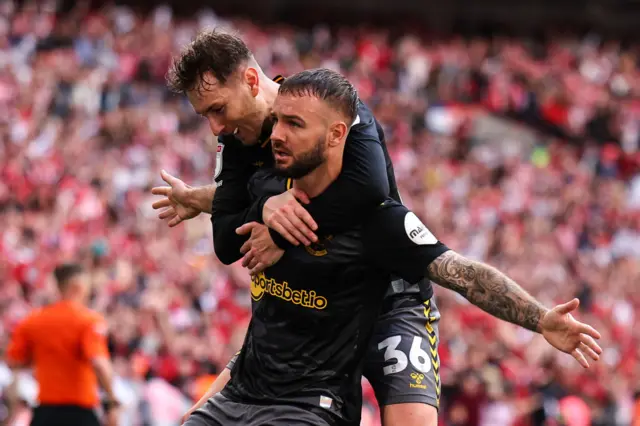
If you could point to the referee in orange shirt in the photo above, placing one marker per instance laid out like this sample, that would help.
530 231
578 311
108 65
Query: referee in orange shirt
65 343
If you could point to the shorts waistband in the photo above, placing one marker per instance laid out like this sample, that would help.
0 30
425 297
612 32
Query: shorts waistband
402 301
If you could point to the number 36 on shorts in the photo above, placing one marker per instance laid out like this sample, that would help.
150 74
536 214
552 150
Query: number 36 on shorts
419 358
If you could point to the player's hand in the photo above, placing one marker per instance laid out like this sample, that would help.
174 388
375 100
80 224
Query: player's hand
112 416
260 252
175 204
191 410
567 334
284 214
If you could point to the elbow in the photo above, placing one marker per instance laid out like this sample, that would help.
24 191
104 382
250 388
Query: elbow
224 255
222 244
376 193
225 258
101 365
221 248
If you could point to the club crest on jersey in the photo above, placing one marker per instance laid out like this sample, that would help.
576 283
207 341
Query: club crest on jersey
417 231
218 160
319 249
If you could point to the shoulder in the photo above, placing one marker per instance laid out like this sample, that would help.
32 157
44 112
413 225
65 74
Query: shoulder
393 220
25 323
87 315
94 321
230 157
265 182
365 126
228 140
230 147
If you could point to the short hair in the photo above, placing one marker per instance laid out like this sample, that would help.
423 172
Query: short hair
65 272
326 85
211 51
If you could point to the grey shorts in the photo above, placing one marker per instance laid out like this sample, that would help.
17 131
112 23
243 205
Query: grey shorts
221 411
402 363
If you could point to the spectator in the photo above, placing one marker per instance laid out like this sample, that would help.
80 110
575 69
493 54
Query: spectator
520 154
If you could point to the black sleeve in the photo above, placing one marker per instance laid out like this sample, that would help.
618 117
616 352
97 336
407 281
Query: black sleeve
397 242
232 205
361 186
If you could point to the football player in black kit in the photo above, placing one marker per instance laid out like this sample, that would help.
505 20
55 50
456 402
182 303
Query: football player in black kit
404 318
224 84
313 315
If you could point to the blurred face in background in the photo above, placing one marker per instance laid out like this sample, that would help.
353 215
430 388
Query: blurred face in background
232 107
79 286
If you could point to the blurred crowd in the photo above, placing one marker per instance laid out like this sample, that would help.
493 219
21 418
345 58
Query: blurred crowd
86 124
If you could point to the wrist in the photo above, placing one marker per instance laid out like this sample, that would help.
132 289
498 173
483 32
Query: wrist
196 198
110 403
279 240
539 327
261 208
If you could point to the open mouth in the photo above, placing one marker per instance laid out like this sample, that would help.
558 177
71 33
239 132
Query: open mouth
280 154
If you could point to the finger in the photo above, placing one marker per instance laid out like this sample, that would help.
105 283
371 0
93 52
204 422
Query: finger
246 247
294 225
590 343
258 268
252 260
276 226
300 195
167 213
248 259
177 220
171 180
304 215
568 307
588 330
589 352
246 228
165 202
161 190
580 358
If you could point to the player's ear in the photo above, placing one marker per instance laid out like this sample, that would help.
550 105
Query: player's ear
253 80
338 133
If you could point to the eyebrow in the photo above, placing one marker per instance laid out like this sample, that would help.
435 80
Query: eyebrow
291 117
210 107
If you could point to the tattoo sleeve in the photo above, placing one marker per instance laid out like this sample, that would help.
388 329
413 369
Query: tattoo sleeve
488 289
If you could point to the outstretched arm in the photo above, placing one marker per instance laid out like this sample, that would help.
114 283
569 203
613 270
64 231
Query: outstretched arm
497 294
488 289
400 243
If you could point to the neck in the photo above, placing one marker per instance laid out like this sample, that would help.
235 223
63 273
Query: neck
316 182
72 298
268 93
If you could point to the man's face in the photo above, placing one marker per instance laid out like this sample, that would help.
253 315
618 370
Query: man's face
300 134
230 108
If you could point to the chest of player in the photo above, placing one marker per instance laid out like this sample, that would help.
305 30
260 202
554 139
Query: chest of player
241 159
258 157
326 276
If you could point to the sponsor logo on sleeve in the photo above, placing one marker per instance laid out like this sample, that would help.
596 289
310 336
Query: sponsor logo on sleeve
417 231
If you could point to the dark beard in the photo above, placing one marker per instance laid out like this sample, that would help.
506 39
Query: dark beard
305 164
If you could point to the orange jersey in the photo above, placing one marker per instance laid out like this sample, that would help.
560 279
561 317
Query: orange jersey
59 342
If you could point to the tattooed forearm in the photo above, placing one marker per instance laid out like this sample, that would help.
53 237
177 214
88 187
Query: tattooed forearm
488 289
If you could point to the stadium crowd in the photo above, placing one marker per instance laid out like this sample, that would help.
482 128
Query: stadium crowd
86 124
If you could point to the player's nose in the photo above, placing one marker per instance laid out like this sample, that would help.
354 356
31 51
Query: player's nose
216 127
277 132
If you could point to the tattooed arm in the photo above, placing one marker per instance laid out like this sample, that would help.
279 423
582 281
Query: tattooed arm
488 289
399 243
